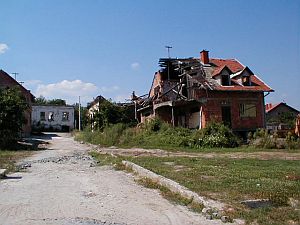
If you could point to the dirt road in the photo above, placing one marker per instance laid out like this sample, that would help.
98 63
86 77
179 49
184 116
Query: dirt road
63 187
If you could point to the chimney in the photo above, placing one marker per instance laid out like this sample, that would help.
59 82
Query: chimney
204 57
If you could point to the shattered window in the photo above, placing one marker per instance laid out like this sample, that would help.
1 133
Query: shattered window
65 116
51 116
42 116
247 110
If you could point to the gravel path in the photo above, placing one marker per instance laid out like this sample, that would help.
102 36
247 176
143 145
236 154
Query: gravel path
62 186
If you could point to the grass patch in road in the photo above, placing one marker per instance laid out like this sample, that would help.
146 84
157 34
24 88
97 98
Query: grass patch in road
8 158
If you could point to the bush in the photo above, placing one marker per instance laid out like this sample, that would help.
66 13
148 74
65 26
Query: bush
216 135
156 134
262 139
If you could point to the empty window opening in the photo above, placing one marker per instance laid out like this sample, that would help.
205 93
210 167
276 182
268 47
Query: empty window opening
51 116
225 80
246 81
65 116
42 116
247 110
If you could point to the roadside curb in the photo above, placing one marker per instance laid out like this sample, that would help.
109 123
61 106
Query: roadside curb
174 186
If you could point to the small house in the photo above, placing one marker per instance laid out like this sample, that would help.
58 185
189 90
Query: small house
280 117
53 118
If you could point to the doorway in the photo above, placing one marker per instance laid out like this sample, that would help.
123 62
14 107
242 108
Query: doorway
226 115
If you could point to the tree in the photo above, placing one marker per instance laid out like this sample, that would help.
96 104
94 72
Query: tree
111 113
12 108
40 100
43 101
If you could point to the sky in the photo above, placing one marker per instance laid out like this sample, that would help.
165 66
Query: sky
66 48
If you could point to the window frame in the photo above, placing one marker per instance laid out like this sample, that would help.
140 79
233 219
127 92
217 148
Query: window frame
246 110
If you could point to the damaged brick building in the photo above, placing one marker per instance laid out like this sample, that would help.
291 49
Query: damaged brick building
191 92
6 81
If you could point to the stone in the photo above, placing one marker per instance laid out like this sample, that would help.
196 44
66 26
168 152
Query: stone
3 172
225 219
209 217
215 215
207 210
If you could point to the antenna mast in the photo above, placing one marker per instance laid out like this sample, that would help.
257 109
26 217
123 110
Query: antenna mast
168 48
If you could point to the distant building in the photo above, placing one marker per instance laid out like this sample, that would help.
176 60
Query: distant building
52 118
92 108
6 81
280 116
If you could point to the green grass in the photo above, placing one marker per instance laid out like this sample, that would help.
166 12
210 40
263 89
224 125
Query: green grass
9 157
232 181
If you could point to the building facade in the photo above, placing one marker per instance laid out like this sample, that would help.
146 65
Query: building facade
195 91
52 118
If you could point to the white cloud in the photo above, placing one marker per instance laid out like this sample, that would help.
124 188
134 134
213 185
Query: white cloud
3 48
135 66
69 90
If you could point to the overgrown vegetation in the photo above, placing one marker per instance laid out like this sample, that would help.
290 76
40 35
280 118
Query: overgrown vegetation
41 100
12 108
157 134
263 139
110 113
231 181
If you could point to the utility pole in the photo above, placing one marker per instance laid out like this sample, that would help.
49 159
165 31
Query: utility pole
168 47
79 119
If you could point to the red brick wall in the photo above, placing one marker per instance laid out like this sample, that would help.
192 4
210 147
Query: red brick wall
212 108
7 81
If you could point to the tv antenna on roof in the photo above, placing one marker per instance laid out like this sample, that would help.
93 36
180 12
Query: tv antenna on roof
15 75
168 47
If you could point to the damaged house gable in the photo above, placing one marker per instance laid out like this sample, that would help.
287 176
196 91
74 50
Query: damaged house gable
191 92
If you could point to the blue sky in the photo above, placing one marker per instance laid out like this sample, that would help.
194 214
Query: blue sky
64 48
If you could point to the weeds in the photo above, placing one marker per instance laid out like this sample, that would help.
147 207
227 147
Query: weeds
171 196
158 134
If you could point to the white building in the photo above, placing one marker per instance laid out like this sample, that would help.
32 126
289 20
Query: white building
52 118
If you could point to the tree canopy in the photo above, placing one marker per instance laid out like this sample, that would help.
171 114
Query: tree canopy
12 108
43 101
111 113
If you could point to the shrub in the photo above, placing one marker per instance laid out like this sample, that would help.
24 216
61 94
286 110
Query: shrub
216 135
262 139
